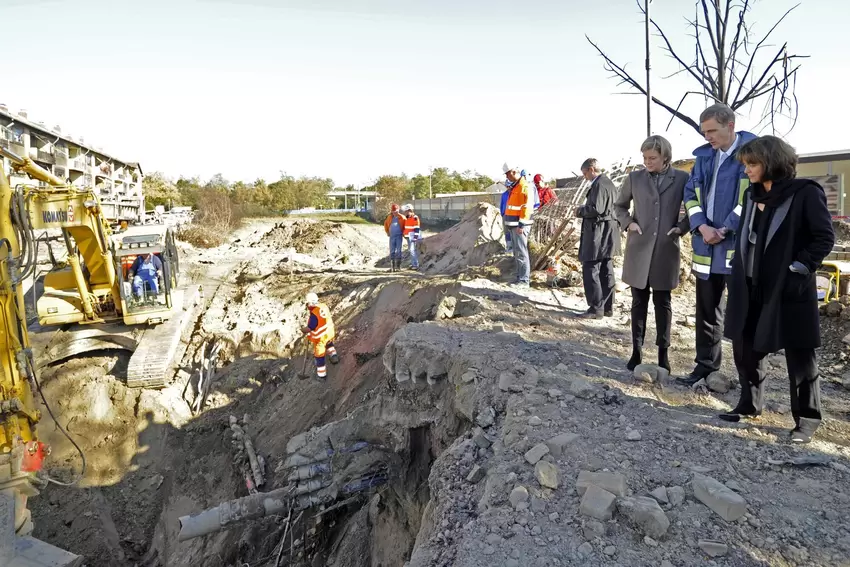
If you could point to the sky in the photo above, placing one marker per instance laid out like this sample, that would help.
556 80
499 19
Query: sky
354 89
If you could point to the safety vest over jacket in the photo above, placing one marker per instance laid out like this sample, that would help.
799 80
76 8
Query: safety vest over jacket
321 324
411 225
731 184
520 205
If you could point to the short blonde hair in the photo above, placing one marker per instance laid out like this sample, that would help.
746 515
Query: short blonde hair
660 145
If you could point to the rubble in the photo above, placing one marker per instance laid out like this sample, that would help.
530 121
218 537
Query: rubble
598 503
726 503
614 483
645 514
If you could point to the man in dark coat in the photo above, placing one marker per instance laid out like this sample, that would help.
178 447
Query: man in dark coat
785 232
600 242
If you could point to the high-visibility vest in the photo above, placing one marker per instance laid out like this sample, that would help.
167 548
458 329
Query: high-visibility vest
324 329
520 205
411 224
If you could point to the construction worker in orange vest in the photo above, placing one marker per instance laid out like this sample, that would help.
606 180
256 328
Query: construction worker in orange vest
394 227
320 331
518 210
412 234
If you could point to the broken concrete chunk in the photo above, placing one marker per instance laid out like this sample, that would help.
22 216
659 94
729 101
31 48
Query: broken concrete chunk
612 482
468 377
506 379
534 421
660 494
296 442
676 494
723 501
558 443
476 475
481 439
536 453
555 393
546 474
650 373
581 388
633 435
594 528
645 514
598 503
718 382
518 496
713 548
486 417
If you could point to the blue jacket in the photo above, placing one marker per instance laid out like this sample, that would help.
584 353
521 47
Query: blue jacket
504 204
731 184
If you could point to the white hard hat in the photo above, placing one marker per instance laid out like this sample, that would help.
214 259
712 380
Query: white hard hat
407 207
312 299
506 168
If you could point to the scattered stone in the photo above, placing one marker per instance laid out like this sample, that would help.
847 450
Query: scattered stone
554 516
649 541
555 393
650 373
486 418
518 495
536 453
594 529
546 474
481 439
645 514
718 382
666 563
612 482
834 309
558 443
610 551
734 485
676 494
489 550
727 504
713 548
468 377
476 475
534 421
633 435
505 381
585 549
660 494
538 505
613 396
781 409
581 388
598 503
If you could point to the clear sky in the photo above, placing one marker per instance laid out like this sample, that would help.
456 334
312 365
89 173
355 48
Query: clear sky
352 89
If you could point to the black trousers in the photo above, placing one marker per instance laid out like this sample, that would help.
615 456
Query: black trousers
802 374
663 316
709 326
598 279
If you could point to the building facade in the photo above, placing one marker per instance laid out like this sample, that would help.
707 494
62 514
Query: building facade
117 183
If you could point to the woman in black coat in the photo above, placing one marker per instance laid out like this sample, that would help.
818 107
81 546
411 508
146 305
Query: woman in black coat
783 236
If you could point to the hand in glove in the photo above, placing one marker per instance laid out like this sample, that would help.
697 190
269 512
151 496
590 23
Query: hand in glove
675 231
799 268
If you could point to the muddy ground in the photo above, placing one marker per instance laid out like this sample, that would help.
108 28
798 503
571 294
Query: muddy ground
451 377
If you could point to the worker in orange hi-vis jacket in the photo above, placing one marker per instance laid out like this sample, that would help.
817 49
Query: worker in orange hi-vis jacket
320 331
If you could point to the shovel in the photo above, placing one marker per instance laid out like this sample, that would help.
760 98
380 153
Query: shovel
302 375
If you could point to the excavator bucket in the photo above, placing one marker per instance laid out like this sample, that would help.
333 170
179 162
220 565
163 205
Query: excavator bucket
26 551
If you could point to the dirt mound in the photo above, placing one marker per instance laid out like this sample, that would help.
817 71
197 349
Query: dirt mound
323 240
475 239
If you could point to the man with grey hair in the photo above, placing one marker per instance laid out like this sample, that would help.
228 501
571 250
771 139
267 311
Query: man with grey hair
713 198
599 243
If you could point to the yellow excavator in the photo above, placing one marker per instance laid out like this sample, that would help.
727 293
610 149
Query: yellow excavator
97 299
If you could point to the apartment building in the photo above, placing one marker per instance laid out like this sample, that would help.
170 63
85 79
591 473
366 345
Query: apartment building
117 183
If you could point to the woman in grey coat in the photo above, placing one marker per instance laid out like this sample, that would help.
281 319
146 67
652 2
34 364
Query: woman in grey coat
654 227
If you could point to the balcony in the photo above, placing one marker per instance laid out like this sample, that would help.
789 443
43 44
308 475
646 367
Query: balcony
45 157
60 172
79 164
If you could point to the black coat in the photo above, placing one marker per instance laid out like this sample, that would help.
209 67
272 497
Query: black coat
800 230
600 236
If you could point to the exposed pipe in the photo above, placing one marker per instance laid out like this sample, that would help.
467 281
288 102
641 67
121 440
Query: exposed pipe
234 511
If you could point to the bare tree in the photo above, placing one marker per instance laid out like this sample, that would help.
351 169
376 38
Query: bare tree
729 64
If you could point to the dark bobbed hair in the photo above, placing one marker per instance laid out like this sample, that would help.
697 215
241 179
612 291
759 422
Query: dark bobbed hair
776 156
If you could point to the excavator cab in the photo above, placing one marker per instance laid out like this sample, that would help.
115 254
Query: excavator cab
147 266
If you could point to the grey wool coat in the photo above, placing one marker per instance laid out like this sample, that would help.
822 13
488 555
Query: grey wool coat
600 238
652 258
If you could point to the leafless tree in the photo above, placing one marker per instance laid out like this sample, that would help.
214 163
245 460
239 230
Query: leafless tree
730 64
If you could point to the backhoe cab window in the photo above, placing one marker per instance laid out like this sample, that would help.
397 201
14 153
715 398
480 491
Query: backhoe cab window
144 281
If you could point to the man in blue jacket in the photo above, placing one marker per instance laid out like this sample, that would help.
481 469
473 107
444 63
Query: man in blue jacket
713 198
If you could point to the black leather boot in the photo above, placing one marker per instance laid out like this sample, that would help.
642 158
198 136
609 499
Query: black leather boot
749 406
636 358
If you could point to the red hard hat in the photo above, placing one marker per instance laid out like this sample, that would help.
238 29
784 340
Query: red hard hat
538 178
394 207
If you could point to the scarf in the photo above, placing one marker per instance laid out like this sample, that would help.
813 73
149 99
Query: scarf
658 176
779 191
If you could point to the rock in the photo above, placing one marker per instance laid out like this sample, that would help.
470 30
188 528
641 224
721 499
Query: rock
734 485
846 340
481 439
518 495
554 516
718 382
585 549
645 514
489 550
845 315
486 418
468 377
650 373
536 453
649 541
554 393
534 421
725 503
546 474
676 494
538 505
598 503
593 529
505 381
834 309
633 435
610 550
581 388
476 475
613 396
782 409
612 482
558 443
660 494
666 563
296 442
844 300
713 548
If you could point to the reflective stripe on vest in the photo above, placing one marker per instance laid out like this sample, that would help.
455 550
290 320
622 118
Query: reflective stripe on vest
694 207
742 188
410 224
324 327
730 255
702 264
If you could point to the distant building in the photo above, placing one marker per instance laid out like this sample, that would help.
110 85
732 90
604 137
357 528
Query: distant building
117 183
831 170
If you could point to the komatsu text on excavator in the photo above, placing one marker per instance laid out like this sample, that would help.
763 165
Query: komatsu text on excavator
93 300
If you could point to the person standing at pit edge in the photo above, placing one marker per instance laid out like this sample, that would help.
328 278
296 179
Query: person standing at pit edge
600 242
412 234
394 227
785 233
320 331
545 192
518 210
652 250
713 198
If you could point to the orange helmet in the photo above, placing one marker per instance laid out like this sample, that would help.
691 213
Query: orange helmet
394 208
